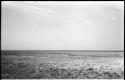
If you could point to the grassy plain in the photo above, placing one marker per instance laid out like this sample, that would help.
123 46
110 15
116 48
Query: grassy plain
62 65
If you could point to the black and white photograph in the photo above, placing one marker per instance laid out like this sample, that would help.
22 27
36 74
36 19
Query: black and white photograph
62 40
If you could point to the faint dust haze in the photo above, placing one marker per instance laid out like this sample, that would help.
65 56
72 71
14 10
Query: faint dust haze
40 25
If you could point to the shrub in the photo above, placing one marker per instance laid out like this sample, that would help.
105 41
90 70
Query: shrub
47 71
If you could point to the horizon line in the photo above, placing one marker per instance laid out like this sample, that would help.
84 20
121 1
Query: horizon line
71 50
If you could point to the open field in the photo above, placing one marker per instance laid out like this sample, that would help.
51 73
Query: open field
62 65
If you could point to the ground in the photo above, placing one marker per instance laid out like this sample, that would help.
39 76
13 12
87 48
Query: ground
21 65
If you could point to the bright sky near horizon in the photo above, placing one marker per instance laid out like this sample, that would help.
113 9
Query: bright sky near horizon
47 25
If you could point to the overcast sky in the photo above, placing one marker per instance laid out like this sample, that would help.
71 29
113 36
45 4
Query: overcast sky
62 25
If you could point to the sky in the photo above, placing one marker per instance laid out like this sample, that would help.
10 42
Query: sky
81 25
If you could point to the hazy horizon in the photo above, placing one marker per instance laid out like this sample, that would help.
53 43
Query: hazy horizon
49 25
69 50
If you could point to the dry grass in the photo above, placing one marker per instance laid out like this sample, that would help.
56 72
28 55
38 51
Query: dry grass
61 67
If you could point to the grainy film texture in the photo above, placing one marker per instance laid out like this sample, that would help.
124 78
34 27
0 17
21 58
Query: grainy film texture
62 40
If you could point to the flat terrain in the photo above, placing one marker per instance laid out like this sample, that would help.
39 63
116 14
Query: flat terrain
56 64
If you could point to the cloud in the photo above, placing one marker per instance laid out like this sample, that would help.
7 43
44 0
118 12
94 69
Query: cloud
62 25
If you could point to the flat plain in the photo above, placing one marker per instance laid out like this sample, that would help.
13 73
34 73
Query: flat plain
62 64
